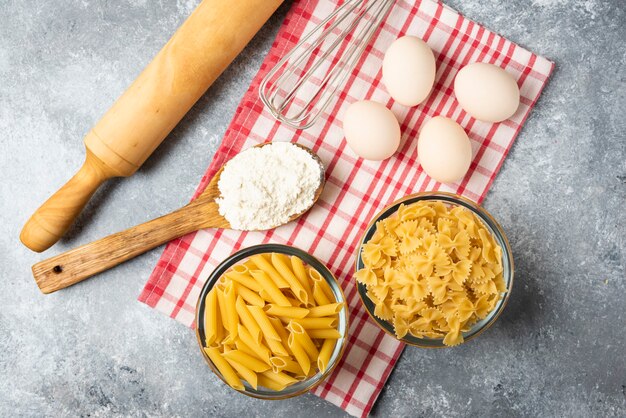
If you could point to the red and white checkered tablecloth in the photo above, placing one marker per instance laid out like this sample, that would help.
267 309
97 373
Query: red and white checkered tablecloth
356 189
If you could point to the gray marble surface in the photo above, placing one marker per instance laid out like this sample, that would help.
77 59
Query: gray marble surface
93 350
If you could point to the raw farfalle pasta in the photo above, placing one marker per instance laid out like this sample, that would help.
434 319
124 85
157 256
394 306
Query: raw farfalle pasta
432 270
271 321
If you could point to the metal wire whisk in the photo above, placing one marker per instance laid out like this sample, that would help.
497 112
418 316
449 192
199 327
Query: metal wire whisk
303 83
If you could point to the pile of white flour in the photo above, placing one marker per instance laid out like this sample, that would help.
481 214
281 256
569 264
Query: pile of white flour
262 187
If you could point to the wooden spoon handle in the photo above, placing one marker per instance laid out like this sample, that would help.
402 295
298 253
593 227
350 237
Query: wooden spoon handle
80 263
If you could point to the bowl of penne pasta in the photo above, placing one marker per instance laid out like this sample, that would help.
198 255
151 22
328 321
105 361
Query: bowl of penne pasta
272 321
434 269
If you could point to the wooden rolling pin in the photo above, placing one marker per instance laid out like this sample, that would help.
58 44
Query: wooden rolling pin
144 115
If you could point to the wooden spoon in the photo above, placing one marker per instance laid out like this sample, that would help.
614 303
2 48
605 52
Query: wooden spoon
85 261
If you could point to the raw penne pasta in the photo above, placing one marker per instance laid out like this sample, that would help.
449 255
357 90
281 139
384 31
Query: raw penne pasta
314 275
317 278
319 295
264 323
274 343
292 301
317 323
270 321
324 334
304 340
299 271
224 367
247 320
277 347
240 268
293 367
324 355
284 258
231 311
249 375
241 346
290 312
280 377
294 284
247 360
266 296
270 287
221 304
296 303
278 364
324 310
262 351
210 318
270 384
301 356
247 264
282 331
244 279
264 265
220 331
249 296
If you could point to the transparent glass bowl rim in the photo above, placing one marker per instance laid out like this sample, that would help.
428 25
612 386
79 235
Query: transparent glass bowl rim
492 225
239 256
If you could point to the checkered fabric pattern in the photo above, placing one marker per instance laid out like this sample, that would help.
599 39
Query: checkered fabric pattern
356 189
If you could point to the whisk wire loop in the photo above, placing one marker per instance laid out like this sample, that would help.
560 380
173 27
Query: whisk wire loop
299 88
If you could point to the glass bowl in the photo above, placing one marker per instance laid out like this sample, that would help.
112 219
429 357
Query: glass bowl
492 226
240 256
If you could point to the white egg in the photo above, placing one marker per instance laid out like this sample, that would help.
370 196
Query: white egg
444 150
487 92
372 131
409 70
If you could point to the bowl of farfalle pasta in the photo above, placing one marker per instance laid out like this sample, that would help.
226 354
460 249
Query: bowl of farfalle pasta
434 269
272 321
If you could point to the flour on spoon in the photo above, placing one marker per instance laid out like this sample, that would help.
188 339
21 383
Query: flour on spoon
262 187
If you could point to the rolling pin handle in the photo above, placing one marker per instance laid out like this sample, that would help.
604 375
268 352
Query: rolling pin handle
48 224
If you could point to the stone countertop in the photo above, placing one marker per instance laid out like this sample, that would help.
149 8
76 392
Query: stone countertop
558 349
